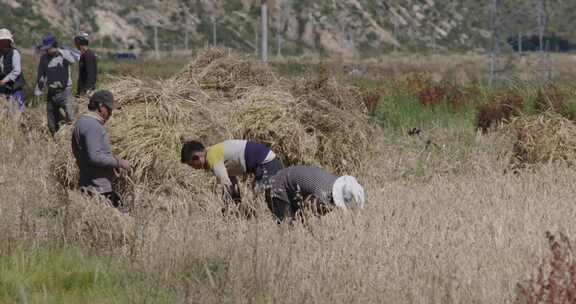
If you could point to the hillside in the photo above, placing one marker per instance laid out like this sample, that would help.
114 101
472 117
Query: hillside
348 28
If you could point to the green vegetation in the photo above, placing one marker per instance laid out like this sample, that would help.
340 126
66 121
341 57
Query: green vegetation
401 112
67 276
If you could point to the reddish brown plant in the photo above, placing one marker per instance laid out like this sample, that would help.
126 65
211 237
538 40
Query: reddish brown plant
500 109
555 282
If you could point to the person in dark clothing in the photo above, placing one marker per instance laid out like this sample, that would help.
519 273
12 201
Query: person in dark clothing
91 149
11 78
87 67
54 74
307 187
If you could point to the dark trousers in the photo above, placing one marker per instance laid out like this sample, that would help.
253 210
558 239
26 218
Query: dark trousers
281 209
261 180
113 197
289 210
59 100
266 171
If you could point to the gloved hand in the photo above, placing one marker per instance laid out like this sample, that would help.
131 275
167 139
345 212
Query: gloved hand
232 195
37 92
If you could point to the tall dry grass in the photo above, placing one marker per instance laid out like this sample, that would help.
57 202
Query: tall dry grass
442 225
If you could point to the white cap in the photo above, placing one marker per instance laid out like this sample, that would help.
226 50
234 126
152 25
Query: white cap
347 191
6 35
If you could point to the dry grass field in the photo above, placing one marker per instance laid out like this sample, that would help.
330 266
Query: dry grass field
446 221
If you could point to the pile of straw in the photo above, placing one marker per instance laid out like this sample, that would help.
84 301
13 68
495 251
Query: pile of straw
221 72
313 129
128 91
150 136
543 139
328 90
338 116
271 117
312 123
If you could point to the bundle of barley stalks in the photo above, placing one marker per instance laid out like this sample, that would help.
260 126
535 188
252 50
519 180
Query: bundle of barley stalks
544 138
225 74
322 124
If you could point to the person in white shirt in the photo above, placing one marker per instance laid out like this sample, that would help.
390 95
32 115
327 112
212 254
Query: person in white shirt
11 78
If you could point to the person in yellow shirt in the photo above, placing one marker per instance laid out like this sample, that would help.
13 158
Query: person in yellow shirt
230 159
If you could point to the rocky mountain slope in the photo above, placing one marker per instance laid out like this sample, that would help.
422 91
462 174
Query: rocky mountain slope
341 27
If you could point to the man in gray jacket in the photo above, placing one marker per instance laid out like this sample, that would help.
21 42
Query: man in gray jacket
54 74
91 148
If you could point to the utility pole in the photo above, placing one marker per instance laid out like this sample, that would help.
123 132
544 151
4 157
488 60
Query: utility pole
279 37
434 47
186 40
396 34
520 43
214 38
542 23
545 72
256 39
76 23
495 39
264 31
156 46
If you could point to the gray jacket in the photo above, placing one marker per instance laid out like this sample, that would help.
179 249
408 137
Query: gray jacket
94 157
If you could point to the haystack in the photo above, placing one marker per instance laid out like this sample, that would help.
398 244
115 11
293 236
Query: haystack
129 90
324 88
543 139
311 130
324 124
338 116
222 73
150 135
270 116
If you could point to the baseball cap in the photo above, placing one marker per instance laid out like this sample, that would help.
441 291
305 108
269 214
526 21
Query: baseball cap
48 41
82 37
104 97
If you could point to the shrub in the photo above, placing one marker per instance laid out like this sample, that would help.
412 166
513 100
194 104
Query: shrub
555 281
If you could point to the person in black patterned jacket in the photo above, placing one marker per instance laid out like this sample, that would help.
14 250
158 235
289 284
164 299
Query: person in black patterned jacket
291 188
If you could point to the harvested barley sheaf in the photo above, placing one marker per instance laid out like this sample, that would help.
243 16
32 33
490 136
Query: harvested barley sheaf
544 138
128 91
338 117
149 136
270 116
224 73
